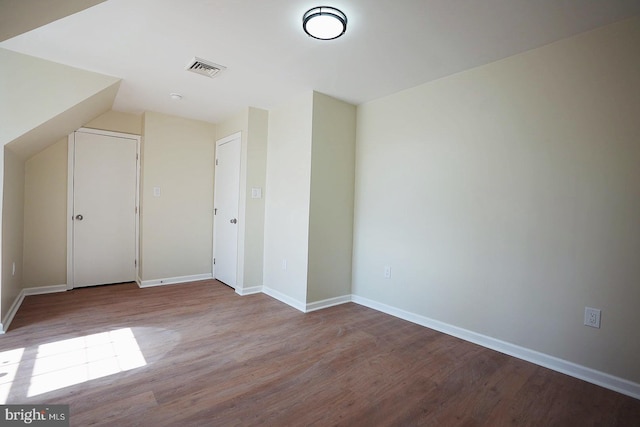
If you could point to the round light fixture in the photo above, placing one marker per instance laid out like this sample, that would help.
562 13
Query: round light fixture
324 23
175 96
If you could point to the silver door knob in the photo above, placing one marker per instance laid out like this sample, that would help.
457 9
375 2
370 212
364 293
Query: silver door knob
234 221
79 217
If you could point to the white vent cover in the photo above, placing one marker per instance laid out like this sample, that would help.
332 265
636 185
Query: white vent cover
204 67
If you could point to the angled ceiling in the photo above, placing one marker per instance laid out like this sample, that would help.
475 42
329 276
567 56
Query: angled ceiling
388 46
42 101
20 16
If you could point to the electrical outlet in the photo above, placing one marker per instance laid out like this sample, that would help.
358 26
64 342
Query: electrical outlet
284 264
592 317
387 272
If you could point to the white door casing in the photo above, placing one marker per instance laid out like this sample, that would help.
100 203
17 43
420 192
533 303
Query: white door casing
103 200
226 202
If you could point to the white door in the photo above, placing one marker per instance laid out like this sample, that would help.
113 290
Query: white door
104 209
225 219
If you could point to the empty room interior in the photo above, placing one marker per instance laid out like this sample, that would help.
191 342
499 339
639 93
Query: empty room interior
429 215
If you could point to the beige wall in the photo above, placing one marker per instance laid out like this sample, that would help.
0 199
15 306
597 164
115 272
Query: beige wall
237 123
309 199
331 203
256 177
176 228
287 197
506 199
12 230
117 121
45 217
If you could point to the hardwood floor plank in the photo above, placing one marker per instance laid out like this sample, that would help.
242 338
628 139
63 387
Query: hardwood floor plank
213 358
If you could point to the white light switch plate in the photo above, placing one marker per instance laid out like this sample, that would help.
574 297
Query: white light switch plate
256 193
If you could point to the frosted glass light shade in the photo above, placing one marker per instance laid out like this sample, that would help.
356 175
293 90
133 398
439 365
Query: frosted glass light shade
324 23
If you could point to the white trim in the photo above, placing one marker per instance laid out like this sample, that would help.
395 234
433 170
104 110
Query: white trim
229 138
110 133
284 298
249 291
71 149
326 303
593 376
70 172
174 280
12 311
40 290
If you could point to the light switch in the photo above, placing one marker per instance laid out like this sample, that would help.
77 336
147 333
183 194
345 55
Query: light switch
256 193
156 191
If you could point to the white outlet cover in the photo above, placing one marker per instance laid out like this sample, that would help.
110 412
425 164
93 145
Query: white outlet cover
156 191
387 272
592 317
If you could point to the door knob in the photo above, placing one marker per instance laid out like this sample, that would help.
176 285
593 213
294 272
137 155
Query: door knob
79 217
234 221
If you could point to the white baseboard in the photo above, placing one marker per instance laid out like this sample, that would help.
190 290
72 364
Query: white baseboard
12 312
41 290
249 290
173 280
284 298
593 376
326 303
4 326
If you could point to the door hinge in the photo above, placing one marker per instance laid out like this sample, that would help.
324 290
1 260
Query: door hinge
215 211
136 156
135 262
216 162
214 261
136 209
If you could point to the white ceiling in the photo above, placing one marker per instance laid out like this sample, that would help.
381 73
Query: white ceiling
388 46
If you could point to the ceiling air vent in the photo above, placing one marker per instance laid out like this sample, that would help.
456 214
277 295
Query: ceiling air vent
204 67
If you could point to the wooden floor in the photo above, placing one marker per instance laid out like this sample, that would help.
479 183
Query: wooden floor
213 358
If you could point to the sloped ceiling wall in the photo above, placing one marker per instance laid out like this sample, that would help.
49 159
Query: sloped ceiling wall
42 101
20 16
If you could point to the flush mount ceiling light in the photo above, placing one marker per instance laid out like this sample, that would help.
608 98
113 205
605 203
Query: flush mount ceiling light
175 96
324 23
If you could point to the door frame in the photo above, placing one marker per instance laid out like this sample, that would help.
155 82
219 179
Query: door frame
239 262
71 145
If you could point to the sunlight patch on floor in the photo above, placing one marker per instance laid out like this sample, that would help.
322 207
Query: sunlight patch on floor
73 361
9 363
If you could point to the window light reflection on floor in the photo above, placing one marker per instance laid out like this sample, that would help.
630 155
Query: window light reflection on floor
64 363
9 363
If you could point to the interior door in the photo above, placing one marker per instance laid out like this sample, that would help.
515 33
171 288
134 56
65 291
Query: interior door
226 199
104 209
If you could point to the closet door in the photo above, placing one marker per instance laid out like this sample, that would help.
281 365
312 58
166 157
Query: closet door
104 209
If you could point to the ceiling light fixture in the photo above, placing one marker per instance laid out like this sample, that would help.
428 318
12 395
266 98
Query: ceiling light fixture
175 96
324 23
